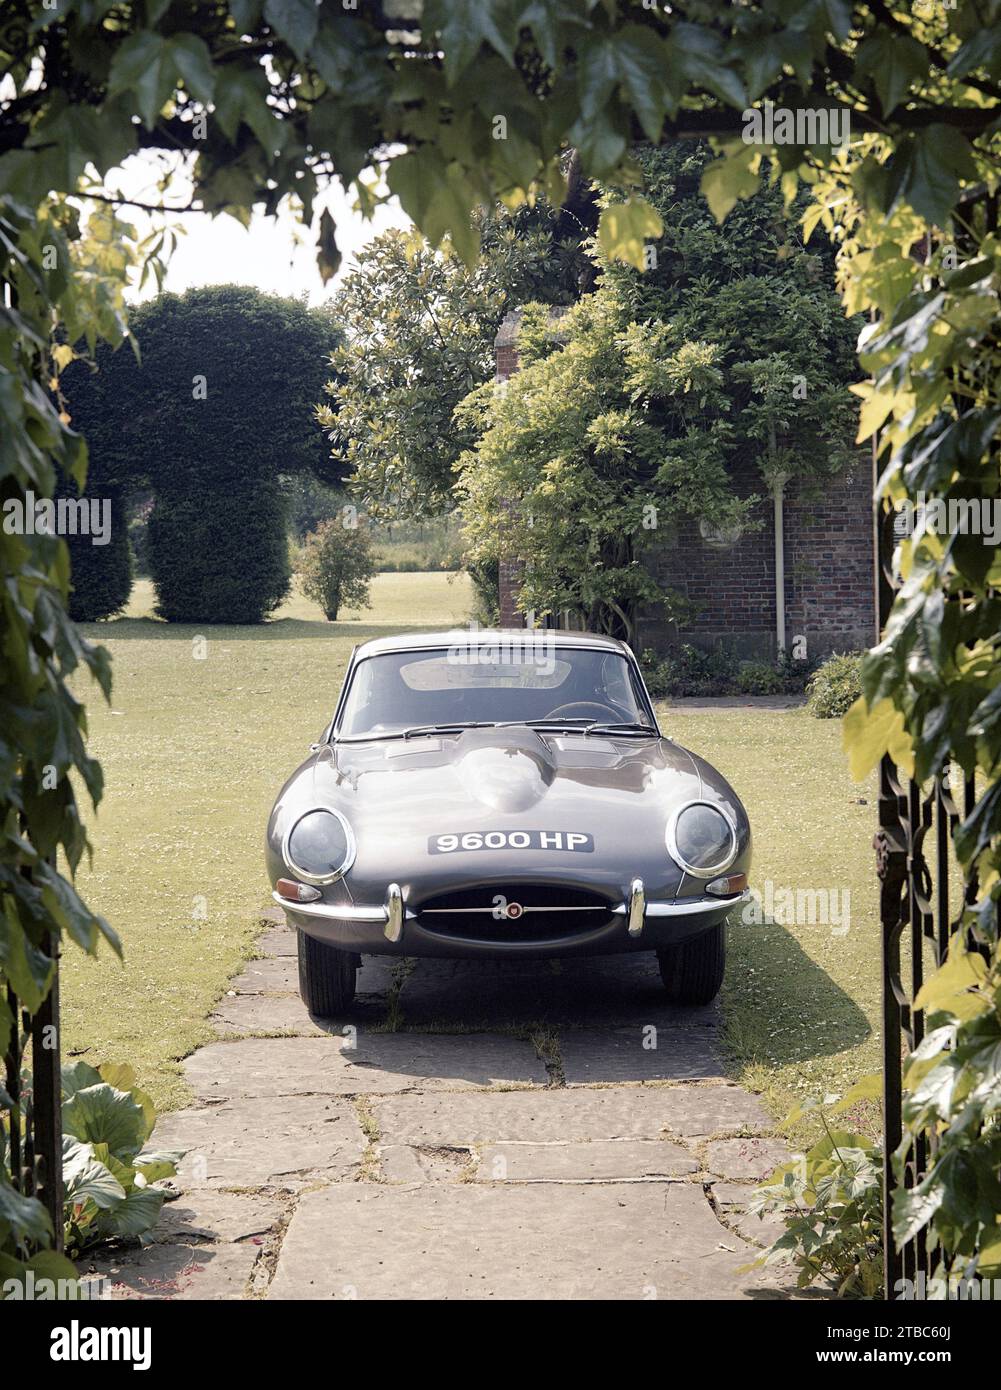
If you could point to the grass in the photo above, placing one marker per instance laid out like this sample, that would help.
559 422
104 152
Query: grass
193 753
801 1000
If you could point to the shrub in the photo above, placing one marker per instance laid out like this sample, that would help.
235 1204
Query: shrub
101 575
218 554
107 1169
688 670
831 1199
336 564
835 686
759 678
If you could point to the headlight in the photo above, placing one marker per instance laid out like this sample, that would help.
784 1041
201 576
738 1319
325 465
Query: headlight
319 847
702 839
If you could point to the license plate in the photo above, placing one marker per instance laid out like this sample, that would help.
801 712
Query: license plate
557 841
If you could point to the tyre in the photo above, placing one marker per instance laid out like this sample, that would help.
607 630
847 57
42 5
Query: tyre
692 971
326 976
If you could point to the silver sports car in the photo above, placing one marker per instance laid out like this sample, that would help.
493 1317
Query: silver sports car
505 794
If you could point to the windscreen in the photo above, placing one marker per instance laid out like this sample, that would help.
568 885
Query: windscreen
404 690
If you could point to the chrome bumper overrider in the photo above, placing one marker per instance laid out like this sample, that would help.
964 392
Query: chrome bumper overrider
393 913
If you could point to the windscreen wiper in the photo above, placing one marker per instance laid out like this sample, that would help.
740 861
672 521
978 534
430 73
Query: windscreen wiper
422 729
627 729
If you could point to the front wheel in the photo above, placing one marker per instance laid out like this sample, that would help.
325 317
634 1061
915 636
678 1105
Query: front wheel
326 976
692 971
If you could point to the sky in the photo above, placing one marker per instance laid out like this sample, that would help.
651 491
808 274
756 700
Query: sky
275 254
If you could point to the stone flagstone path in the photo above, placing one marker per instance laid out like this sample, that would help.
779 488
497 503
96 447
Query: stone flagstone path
477 1130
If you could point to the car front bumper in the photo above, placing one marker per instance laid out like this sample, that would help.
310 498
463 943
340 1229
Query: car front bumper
634 924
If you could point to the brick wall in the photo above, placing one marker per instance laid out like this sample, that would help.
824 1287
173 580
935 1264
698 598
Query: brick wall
828 573
828 565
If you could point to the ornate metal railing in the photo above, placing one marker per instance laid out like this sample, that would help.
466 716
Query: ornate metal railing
34 1121
918 915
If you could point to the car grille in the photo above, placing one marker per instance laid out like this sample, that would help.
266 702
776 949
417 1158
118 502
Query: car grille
529 912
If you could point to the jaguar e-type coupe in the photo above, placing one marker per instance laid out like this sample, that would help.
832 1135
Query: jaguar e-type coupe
503 794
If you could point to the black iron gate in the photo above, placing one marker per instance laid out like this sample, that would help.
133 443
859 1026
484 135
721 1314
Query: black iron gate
918 912
32 1078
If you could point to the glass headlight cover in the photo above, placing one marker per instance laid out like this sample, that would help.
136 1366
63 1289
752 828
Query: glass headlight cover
319 846
702 838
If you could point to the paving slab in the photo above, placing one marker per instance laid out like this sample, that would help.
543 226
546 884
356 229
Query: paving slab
434 1241
272 975
746 1158
703 1110
278 941
544 1116
180 1271
264 1142
242 1015
603 1160
354 1065
207 1214
404 1163
641 1053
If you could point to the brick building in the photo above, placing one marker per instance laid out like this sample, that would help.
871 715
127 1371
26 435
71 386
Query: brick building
826 556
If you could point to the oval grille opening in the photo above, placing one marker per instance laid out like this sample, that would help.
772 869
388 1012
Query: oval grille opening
514 912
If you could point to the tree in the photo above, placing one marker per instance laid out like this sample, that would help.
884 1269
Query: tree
336 565
636 407
270 100
213 411
419 328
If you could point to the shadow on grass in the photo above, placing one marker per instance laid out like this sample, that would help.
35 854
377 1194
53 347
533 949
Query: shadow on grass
789 1009
281 630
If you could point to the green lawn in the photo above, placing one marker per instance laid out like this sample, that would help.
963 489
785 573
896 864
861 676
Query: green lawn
193 753
802 1001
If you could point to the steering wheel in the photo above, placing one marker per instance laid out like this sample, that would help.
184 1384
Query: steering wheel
586 709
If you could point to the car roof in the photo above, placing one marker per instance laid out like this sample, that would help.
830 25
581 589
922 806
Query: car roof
492 637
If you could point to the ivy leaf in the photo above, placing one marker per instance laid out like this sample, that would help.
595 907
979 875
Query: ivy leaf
700 54
295 21
465 26
144 66
328 256
925 172
194 63
982 50
948 990
624 227
245 14
868 734
729 178
893 63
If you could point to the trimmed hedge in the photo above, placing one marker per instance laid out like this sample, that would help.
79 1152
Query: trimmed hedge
218 556
101 575
215 415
